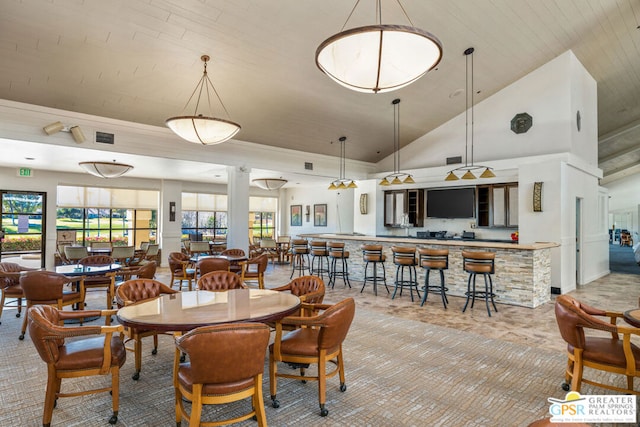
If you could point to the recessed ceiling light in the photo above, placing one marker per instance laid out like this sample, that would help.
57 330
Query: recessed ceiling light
29 158
456 92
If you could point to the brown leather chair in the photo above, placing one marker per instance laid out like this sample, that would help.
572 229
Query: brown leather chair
107 281
226 363
10 285
207 265
101 354
235 267
133 291
310 289
318 340
220 281
615 353
142 271
47 287
181 268
254 268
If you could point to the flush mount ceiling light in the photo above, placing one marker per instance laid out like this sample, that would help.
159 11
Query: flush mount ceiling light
55 127
378 58
106 169
269 183
342 182
469 168
396 177
200 128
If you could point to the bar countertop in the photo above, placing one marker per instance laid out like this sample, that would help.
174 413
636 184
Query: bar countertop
475 243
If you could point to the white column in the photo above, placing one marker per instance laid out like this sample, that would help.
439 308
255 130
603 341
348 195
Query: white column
170 231
238 207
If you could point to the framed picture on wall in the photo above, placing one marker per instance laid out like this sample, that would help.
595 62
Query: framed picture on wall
320 215
296 215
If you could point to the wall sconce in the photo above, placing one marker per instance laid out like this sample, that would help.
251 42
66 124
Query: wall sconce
55 127
537 196
172 211
308 212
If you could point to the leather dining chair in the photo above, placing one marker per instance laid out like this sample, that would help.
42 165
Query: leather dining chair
317 340
310 289
235 267
10 285
99 352
131 292
254 268
207 265
220 281
581 326
226 364
48 288
123 255
181 269
107 281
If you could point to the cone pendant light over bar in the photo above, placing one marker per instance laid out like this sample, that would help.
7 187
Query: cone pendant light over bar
342 182
468 168
378 58
199 128
396 177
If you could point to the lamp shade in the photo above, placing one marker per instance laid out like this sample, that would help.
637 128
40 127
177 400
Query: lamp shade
269 183
378 58
203 130
105 169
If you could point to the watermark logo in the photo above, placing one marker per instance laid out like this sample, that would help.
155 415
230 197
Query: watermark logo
576 408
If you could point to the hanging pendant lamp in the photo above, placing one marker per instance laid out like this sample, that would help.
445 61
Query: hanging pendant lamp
378 58
396 177
342 183
200 128
105 169
469 168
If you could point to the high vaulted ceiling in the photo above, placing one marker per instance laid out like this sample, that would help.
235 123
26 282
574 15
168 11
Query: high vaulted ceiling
140 61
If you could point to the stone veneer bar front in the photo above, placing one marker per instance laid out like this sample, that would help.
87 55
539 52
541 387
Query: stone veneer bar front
522 271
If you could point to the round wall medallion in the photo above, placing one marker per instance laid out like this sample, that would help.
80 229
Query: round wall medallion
578 121
521 123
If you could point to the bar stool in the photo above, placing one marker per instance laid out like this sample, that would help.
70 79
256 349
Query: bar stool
299 250
372 254
405 257
338 257
434 259
476 263
319 252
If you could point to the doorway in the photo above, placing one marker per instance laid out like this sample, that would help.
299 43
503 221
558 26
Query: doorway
23 227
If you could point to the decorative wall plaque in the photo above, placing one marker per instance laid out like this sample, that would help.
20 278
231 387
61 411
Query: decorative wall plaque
521 123
537 197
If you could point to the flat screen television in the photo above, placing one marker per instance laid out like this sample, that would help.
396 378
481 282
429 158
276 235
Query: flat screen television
451 203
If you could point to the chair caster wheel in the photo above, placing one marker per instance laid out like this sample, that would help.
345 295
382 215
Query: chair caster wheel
135 376
55 403
17 314
275 403
304 381
183 358
113 419
154 351
566 387
21 337
343 387
324 412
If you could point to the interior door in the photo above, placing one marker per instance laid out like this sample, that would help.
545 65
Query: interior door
24 227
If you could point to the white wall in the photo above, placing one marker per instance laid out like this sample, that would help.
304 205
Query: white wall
366 223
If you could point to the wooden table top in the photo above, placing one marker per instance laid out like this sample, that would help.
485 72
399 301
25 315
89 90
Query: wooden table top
86 270
184 311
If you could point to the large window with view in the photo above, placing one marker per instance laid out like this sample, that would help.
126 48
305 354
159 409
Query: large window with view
123 217
262 217
204 216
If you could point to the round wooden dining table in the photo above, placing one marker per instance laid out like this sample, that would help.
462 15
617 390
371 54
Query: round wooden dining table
185 311
86 270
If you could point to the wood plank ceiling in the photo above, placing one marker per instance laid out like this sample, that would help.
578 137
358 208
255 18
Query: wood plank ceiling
139 61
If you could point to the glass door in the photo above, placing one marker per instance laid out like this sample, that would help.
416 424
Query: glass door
23 227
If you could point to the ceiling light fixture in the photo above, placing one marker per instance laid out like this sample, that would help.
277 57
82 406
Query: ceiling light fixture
269 183
378 58
396 177
55 127
342 182
105 169
199 128
468 168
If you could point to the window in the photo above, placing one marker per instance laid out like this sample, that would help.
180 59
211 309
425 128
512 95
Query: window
121 216
262 217
204 216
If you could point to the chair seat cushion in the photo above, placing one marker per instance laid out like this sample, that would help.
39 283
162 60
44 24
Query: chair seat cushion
477 268
97 281
185 375
339 254
301 342
374 258
607 351
436 265
405 261
14 291
88 353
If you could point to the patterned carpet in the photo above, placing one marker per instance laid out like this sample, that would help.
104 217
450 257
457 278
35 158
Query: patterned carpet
399 373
